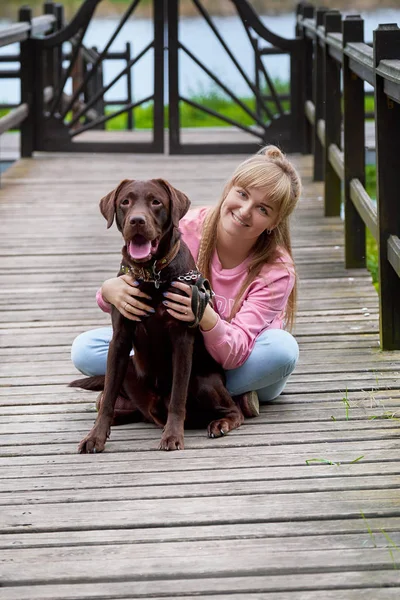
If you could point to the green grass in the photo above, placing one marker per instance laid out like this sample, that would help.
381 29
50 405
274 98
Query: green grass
391 547
371 245
346 403
369 104
194 117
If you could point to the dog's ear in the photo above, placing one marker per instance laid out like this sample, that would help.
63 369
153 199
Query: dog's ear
180 203
108 203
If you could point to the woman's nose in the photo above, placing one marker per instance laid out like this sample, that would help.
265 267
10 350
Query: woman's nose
245 211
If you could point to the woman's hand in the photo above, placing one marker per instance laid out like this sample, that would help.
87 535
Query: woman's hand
180 307
124 294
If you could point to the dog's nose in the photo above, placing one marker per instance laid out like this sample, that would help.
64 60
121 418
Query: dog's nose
137 220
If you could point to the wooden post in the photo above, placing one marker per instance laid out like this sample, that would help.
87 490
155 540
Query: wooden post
159 15
173 77
387 128
27 59
318 74
58 53
77 74
306 11
354 146
129 86
333 117
49 56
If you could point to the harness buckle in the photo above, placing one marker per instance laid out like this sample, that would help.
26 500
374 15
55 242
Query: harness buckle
157 276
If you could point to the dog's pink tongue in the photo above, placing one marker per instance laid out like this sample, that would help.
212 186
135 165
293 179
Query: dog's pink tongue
139 248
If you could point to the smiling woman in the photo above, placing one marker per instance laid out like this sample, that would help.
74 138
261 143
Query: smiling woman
246 213
242 246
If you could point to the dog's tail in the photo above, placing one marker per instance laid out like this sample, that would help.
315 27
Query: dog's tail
96 383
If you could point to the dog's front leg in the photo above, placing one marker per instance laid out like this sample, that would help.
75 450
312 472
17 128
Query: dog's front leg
173 435
117 364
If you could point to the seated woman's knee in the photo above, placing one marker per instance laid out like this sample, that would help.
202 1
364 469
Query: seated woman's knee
288 351
81 354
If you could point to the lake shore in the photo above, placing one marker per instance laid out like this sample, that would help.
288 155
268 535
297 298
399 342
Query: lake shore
107 8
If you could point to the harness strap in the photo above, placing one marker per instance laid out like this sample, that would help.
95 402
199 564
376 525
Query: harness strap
201 296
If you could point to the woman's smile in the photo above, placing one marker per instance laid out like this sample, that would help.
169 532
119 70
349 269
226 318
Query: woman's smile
238 220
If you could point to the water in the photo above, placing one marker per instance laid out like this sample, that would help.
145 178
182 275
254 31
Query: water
4 165
196 34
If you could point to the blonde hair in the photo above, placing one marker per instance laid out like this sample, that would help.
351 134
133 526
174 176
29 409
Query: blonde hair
269 171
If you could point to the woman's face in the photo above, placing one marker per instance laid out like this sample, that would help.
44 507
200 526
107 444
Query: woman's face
246 213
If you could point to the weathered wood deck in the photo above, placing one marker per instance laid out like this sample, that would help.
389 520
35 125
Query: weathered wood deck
240 517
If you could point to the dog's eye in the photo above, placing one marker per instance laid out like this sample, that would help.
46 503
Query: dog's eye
155 202
125 201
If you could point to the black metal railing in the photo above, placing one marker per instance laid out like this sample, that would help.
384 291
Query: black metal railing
338 64
56 116
271 122
58 123
88 57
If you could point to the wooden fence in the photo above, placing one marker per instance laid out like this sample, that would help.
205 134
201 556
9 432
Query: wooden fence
338 62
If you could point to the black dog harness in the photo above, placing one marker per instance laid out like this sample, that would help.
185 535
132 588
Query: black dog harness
202 293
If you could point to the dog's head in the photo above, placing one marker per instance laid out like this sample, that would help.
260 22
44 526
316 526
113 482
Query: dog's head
145 212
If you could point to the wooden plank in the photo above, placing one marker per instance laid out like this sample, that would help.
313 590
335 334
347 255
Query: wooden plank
354 447
58 477
181 560
107 490
50 464
206 588
312 588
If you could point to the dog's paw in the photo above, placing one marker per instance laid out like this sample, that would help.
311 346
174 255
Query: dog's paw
92 443
171 442
218 428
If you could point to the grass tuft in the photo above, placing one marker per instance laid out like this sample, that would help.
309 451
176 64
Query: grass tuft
392 545
346 402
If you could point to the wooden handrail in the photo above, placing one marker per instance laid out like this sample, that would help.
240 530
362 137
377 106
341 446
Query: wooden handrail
321 131
365 206
336 159
18 115
14 118
18 32
309 109
394 253
338 41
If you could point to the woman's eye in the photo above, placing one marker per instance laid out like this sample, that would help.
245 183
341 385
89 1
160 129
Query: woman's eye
263 210
242 193
125 201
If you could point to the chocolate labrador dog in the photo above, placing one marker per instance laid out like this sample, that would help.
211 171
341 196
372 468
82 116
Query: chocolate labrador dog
171 380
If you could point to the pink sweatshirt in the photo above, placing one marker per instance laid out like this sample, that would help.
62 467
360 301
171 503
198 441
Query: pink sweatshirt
262 306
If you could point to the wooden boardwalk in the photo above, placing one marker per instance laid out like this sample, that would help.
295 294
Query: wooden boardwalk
240 517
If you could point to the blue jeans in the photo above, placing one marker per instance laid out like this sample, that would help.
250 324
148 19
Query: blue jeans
266 370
